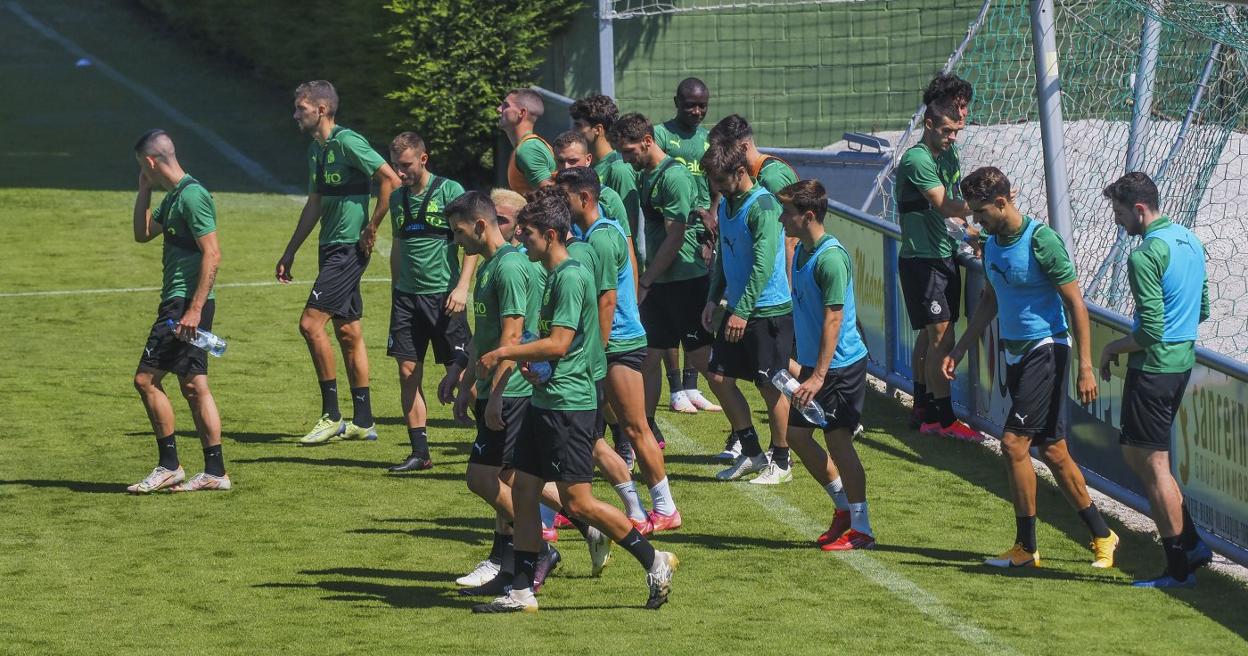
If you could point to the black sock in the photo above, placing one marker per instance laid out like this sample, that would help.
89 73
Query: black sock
526 564
500 544
931 412
780 456
362 408
168 452
214 464
1176 558
749 442
944 409
689 379
654 428
640 547
578 523
1025 532
1189 537
507 565
329 399
1096 523
920 398
673 381
622 443
419 437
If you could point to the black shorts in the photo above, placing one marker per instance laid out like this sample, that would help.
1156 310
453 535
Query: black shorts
764 348
494 448
632 359
932 289
164 351
841 397
1150 402
337 288
672 314
1038 385
418 319
556 445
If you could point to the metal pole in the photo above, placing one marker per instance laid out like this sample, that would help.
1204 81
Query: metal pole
1049 99
606 50
1137 139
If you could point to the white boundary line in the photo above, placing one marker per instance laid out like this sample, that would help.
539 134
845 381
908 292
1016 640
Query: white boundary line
128 290
250 166
865 564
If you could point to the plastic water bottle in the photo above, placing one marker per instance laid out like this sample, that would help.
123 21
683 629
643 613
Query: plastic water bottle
788 384
203 339
541 369
966 253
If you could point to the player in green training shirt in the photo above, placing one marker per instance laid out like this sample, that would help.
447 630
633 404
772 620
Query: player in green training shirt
572 150
556 442
341 166
686 140
1034 295
1170 288
532 163
592 117
674 270
926 193
430 288
187 218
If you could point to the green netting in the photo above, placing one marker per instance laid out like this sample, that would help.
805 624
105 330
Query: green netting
1193 148
1224 23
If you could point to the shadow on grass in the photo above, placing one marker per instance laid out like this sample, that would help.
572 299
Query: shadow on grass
1138 555
727 542
396 596
320 462
431 422
373 573
458 535
933 552
88 487
480 523
692 459
250 438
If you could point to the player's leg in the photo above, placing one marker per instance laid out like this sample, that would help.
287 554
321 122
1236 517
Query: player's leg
415 416
626 398
168 471
208 424
1165 502
923 411
768 343
675 383
312 326
350 334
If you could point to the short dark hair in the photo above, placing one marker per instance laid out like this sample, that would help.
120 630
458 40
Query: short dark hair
579 179
985 184
691 85
529 100
1132 188
470 206
724 157
595 110
320 92
147 138
630 128
806 196
568 138
941 110
547 209
405 140
948 87
732 128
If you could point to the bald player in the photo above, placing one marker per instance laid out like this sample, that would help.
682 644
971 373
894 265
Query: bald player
532 163
187 218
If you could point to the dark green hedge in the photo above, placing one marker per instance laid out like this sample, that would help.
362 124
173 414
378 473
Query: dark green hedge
435 66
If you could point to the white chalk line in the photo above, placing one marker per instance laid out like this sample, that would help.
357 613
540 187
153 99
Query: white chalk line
862 562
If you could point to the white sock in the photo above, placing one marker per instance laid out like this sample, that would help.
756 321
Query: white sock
837 492
548 515
858 518
632 501
661 495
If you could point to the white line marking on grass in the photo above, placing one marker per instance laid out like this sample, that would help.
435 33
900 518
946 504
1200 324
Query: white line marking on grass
864 563
128 290
250 166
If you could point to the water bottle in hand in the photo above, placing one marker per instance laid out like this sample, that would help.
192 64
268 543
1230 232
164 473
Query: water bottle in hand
541 369
788 384
203 339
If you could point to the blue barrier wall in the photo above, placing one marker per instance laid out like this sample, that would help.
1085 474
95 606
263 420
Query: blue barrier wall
1209 444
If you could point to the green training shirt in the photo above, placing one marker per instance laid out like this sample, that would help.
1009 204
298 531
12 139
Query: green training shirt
614 205
428 263
188 211
763 224
1145 266
923 232
669 196
535 161
502 290
611 250
620 176
348 160
687 147
569 302
775 175
1050 253
832 271
603 280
